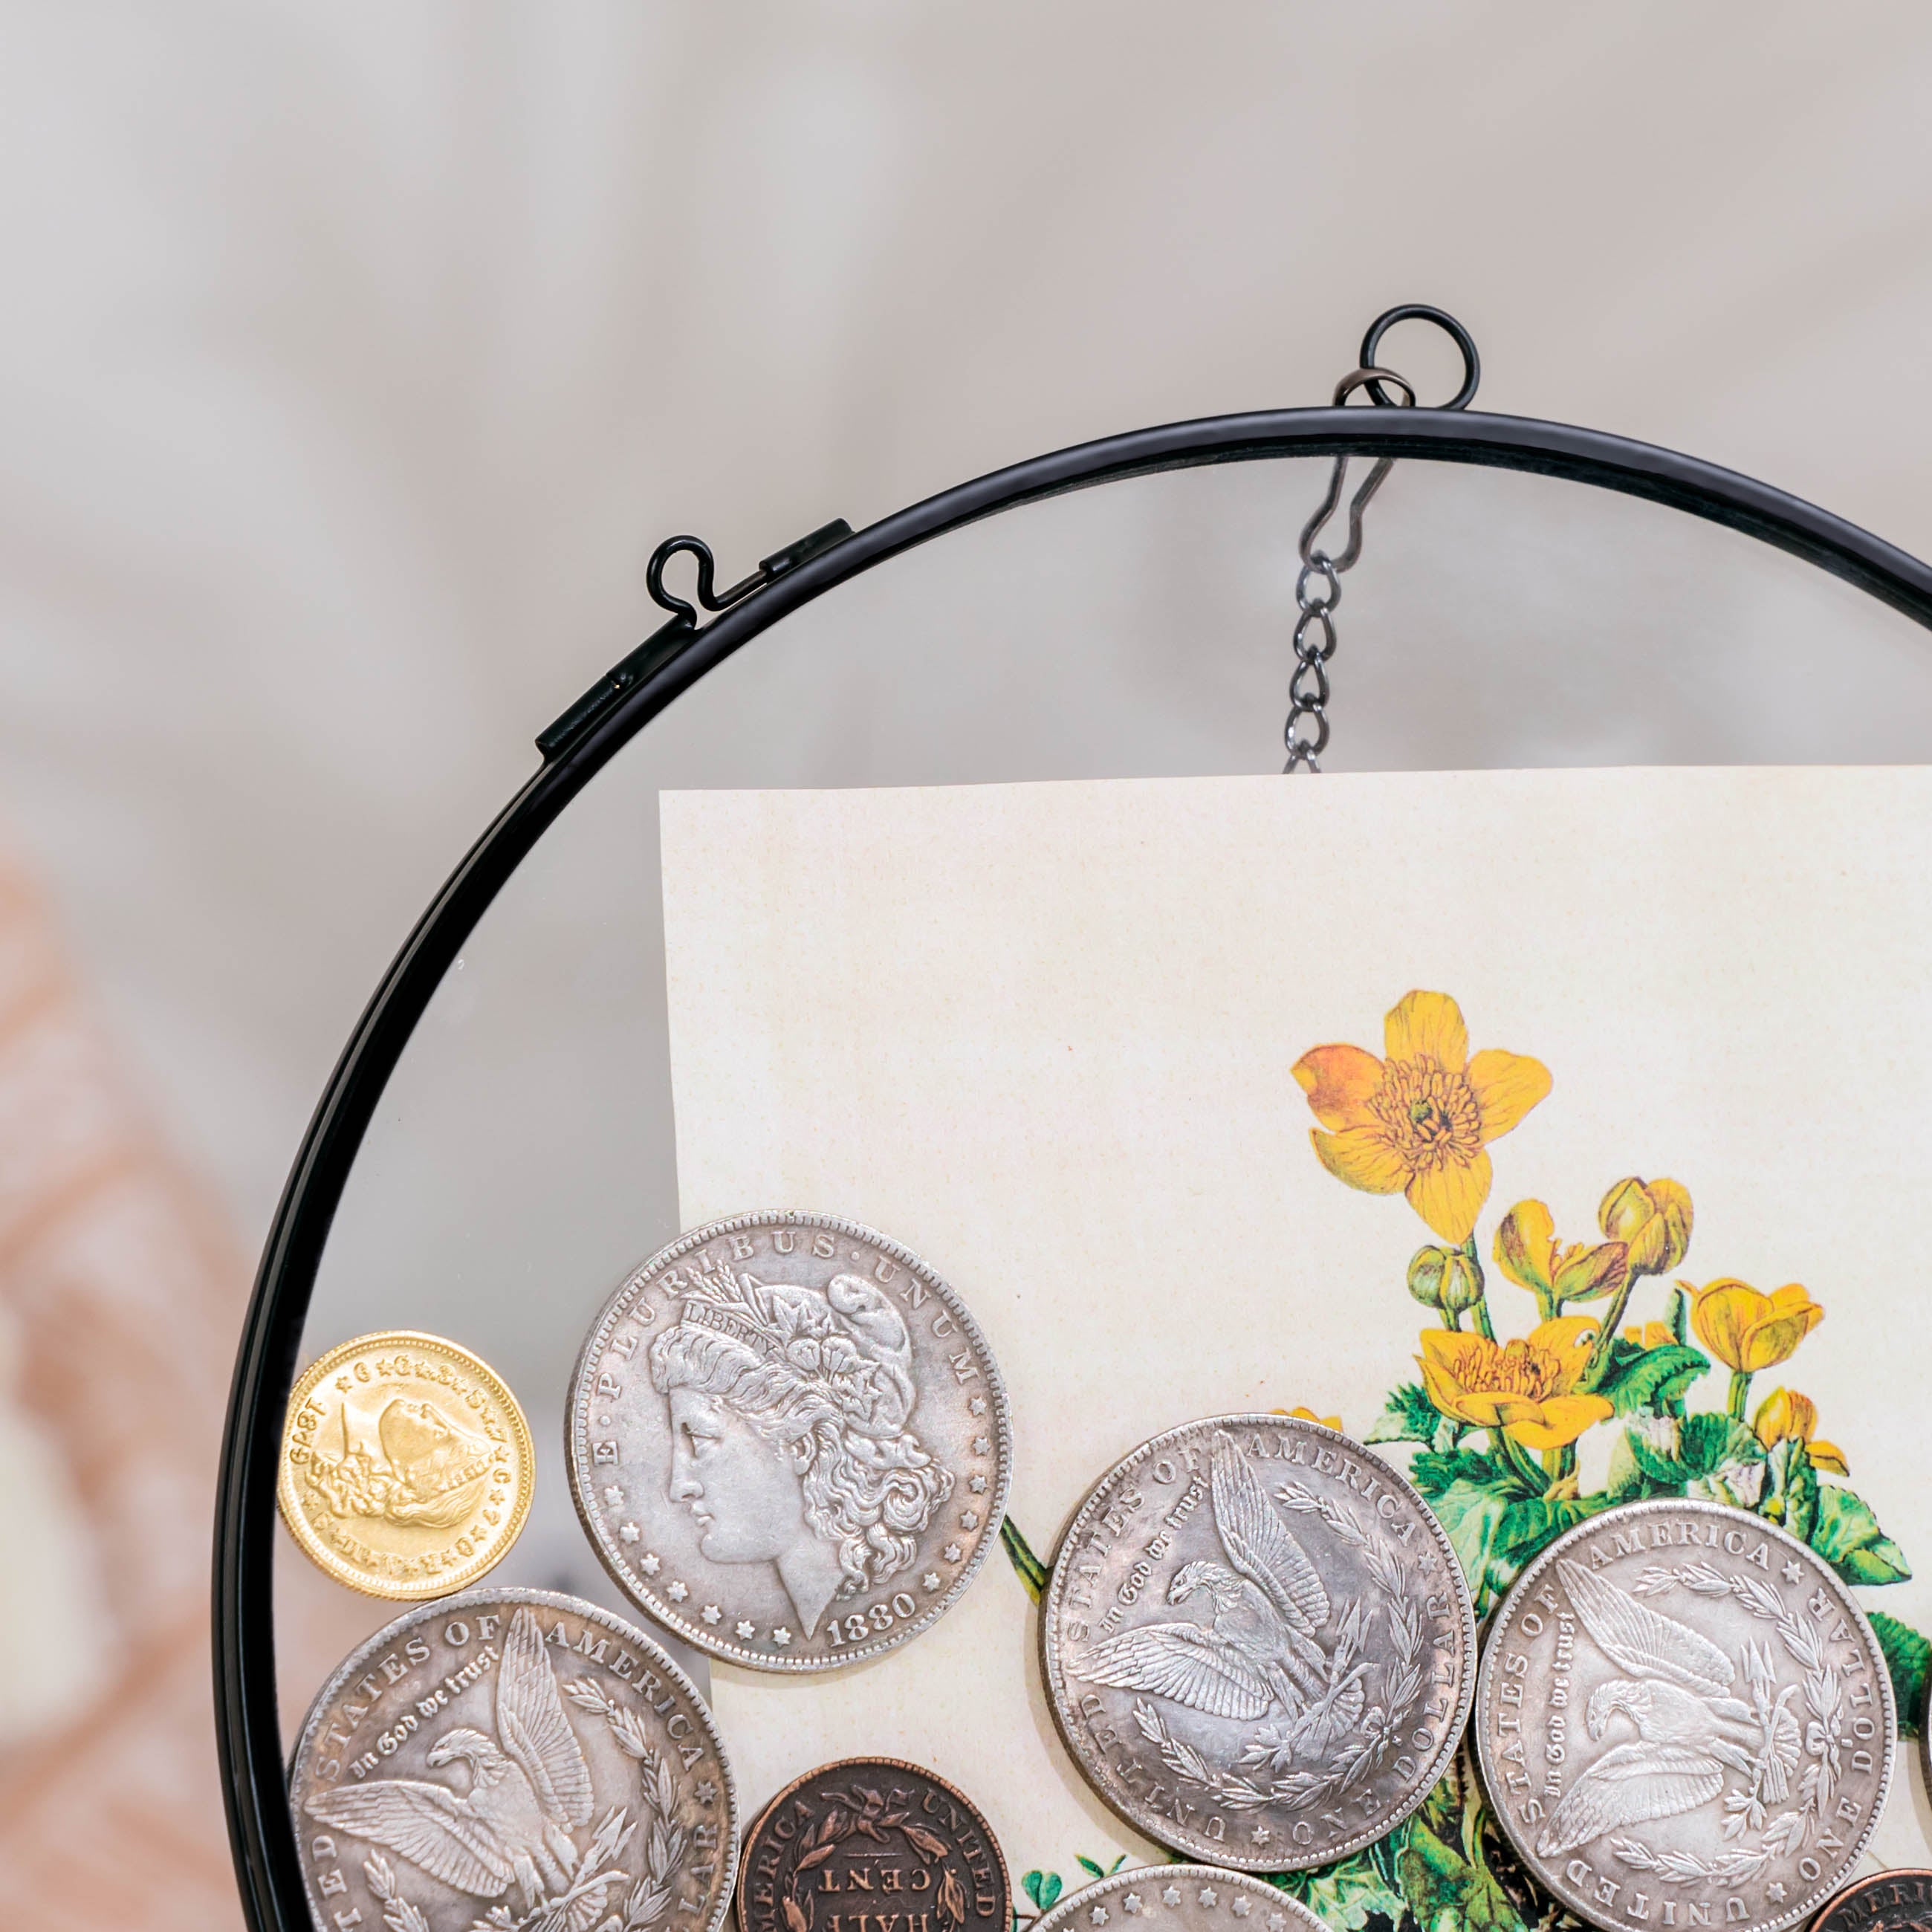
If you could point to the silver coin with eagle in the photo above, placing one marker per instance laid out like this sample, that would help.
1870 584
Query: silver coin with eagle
515 1759
789 1441
1682 1718
1257 1643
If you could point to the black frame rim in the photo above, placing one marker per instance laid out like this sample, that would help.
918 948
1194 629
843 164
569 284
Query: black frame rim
248 1737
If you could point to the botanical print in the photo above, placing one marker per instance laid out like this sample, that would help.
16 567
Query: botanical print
1616 1348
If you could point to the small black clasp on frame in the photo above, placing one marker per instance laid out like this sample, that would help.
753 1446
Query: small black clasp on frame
665 643
776 565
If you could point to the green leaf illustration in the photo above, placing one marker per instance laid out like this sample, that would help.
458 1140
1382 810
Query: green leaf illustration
1042 1887
1410 1416
1647 1380
1908 1656
1791 1495
1432 1471
1627 1480
1032 1572
1847 1536
1344 1896
1088 1864
1704 1443
1710 1440
1526 1526
1436 1879
1471 1516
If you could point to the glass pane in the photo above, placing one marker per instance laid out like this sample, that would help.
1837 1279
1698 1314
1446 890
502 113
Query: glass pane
522 1161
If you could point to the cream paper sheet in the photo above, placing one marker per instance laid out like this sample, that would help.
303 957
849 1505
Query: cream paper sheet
1042 1033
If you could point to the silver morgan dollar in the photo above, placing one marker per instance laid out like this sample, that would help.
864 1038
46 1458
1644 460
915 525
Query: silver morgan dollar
1179 1898
1258 1642
789 1441
517 1760
1683 1721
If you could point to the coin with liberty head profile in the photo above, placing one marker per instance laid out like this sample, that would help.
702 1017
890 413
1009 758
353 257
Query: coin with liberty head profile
406 1467
1257 1643
789 1441
1683 1718
516 1760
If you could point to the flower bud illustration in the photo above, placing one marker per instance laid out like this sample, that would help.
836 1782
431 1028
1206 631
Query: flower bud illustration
1652 1220
1444 1278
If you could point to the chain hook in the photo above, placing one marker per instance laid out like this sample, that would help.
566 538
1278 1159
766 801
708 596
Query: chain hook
1318 588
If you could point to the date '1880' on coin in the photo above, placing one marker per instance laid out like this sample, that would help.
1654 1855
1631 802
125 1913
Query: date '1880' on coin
1258 1642
789 1441
1683 1721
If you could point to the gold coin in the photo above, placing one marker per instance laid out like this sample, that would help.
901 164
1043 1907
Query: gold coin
406 1466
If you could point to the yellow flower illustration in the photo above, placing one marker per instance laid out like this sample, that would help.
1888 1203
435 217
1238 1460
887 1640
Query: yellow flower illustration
1747 1331
1420 1120
1525 1387
1652 1220
1528 1251
1785 1415
1649 1335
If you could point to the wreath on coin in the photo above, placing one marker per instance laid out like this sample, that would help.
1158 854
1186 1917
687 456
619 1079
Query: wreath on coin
863 1812
1353 1727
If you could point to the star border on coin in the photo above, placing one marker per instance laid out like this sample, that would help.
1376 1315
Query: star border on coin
775 1651
1227 1895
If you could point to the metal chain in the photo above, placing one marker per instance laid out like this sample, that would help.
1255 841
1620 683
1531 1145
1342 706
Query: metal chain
1318 588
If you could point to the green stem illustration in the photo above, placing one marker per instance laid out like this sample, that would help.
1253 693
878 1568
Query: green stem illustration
1606 1332
1481 1308
1740 1382
1534 1478
1032 1572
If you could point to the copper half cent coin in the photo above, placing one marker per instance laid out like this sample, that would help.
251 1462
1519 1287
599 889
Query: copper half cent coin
870 1844
789 1441
1900 1900
406 1468
1683 1720
517 1760
1180 1898
1258 1642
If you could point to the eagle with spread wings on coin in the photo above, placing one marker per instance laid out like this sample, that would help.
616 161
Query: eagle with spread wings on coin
1690 1728
1261 1651
528 1788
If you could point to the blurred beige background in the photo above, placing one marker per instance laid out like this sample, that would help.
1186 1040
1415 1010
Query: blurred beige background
355 357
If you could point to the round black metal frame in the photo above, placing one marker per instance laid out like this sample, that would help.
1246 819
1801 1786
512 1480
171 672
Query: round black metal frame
585 738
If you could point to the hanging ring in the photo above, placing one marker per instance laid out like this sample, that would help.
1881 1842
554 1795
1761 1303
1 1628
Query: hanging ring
1472 368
